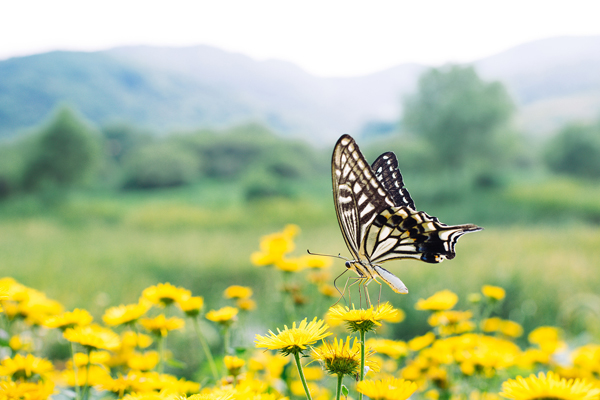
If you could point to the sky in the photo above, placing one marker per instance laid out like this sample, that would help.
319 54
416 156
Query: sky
325 37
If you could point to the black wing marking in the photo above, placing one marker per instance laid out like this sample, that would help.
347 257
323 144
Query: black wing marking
357 194
387 172
400 232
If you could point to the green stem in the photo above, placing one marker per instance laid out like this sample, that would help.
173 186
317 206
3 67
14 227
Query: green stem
207 353
338 391
362 360
227 340
86 388
161 352
301 373
77 390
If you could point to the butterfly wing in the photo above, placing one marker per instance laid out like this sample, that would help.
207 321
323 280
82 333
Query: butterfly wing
387 172
357 194
400 232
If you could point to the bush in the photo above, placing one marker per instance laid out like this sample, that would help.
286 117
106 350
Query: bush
160 165
66 153
575 151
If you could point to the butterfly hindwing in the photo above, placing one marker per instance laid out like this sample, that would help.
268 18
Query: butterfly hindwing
387 172
400 232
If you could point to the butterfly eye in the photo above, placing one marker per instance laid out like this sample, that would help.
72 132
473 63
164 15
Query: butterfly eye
348 265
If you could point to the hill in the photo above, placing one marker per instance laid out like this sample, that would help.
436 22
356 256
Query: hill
553 81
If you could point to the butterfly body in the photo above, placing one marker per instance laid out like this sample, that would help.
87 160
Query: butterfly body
378 218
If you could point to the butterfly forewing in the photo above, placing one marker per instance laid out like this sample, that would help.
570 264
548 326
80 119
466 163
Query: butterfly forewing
359 197
387 172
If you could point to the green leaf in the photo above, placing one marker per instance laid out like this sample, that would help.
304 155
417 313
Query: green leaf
345 391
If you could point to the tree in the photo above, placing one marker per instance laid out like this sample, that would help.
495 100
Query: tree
459 115
575 151
65 155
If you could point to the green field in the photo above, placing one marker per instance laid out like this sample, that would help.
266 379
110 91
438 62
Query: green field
95 251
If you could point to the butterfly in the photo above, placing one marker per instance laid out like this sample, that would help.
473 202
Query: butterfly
379 220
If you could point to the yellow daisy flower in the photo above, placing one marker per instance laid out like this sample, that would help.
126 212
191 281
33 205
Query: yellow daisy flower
392 348
93 337
131 340
233 364
493 292
237 292
387 389
246 304
328 290
96 357
191 306
439 301
547 337
511 329
420 342
289 264
26 390
342 358
363 320
25 367
317 262
224 316
294 340
161 325
143 362
550 386
69 319
165 294
125 314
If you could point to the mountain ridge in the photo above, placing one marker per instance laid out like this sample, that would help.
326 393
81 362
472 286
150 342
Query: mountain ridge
552 80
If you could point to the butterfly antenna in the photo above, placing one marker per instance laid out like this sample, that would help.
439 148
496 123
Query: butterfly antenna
327 255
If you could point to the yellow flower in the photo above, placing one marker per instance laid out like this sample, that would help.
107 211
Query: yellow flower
420 342
342 358
130 340
165 294
25 367
387 389
294 340
317 262
246 304
69 319
511 329
493 292
96 357
364 320
125 314
93 336
16 343
547 337
392 348
328 290
312 373
274 246
224 316
143 362
289 264
448 317
233 365
491 324
548 386
237 292
161 325
41 390
191 306
439 301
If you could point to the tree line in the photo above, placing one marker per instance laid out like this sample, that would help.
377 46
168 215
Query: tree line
455 122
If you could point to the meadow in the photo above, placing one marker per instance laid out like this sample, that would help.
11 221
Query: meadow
99 250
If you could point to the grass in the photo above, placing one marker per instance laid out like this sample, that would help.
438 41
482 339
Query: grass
110 261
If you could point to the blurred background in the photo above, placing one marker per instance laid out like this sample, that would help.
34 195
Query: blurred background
142 144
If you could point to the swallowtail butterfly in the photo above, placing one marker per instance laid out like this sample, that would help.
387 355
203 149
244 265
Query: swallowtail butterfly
378 218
